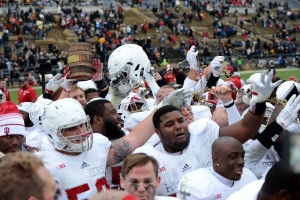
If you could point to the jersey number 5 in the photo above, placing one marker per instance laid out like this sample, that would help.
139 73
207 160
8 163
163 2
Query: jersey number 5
72 193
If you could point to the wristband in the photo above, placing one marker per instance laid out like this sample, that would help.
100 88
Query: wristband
48 91
258 108
265 138
212 81
47 95
229 104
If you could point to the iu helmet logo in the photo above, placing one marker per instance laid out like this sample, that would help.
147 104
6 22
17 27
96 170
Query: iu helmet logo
6 130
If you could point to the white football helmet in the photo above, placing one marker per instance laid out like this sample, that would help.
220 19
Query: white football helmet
126 66
124 115
254 78
64 114
2 97
285 88
37 111
133 103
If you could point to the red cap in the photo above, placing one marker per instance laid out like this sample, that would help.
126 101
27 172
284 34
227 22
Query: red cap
293 78
230 68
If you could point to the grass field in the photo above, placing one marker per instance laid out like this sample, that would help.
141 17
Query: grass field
281 73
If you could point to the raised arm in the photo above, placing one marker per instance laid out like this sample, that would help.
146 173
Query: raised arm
249 125
124 146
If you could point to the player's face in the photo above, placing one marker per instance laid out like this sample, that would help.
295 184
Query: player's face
173 132
50 190
188 114
11 143
231 161
79 96
112 115
141 182
23 84
163 93
76 131
91 95
2 84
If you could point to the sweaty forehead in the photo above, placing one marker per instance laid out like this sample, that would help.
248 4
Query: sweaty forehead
170 116
164 91
109 107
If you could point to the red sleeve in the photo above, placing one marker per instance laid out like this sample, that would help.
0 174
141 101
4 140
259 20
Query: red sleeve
32 95
8 96
167 78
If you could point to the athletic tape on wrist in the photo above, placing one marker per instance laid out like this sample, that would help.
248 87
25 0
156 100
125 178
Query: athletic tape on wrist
258 108
229 104
212 81
265 138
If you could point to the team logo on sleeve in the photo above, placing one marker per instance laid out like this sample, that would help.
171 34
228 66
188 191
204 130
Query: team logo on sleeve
186 167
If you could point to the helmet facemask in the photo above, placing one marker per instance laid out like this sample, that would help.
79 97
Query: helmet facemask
120 83
84 141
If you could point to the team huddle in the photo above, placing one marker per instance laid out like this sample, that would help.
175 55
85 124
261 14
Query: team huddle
208 139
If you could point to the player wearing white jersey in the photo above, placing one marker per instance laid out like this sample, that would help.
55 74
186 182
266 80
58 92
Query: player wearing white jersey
278 185
176 136
77 164
226 176
105 121
172 166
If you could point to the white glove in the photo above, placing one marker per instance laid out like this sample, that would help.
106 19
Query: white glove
262 89
191 57
289 113
54 83
68 83
217 66
149 73
178 98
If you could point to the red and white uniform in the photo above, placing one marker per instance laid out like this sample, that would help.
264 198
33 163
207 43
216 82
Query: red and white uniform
81 176
206 184
172 167
26 95
6 92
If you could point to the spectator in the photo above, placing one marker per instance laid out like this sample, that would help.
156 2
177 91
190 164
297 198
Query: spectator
3 89
170 76
26 92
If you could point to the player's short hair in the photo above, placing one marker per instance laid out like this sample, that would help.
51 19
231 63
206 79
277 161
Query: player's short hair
95 107
76 87
90 90
18 176
167 86
137 160
162 111
278 179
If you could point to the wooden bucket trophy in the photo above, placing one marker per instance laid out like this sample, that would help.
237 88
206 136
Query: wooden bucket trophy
80 61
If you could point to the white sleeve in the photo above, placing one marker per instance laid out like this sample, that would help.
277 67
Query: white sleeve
154 88
188 83
233 114
254 153
201 84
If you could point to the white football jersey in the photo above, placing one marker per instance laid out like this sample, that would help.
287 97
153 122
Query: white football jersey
248 192
258 158
81 176
34 137
113 174
202 184
198 154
